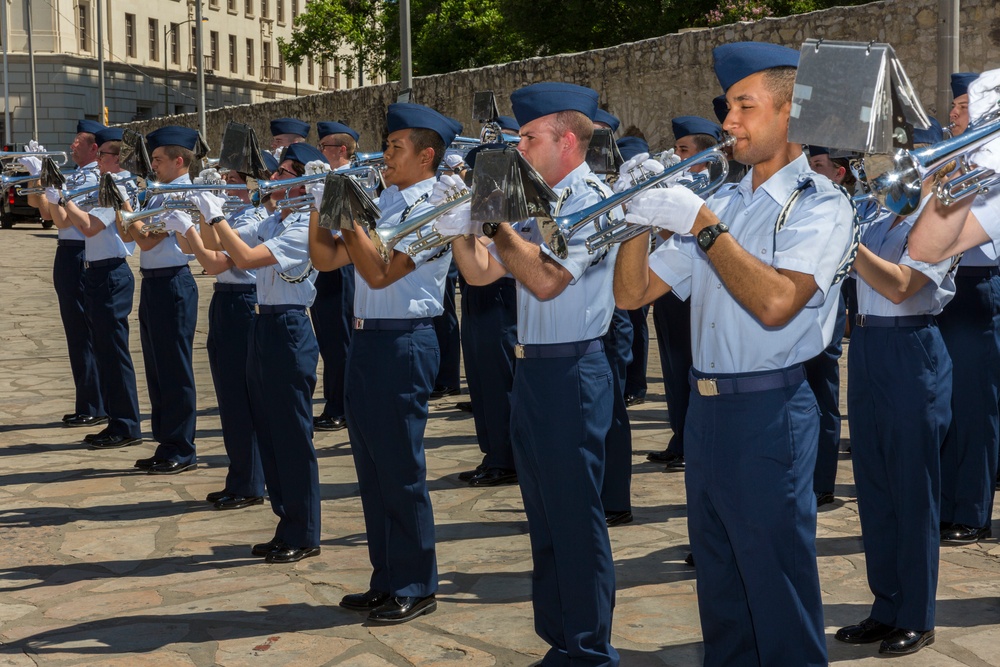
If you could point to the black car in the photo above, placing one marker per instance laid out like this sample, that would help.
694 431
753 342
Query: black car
15 210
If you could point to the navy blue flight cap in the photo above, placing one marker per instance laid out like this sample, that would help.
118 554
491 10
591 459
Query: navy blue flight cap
508 123
542 99
684 126
818 150
302 152
629 147
108 134
602 116
960 82
721 108
326 128
931 135
172 135
270 162
735 62
407 116
91 126
289 126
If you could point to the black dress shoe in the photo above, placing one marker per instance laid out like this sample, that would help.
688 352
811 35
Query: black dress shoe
364 601
264 548
676 465
146 464
464 406
689 559
441 391
170 467
824 498
85 420
90 437
469 474
865 632
904 642
213 497
666 456
402 609
113 441
494 477
631 400
72 415
617 518
238 502
286 553
961 534
327 423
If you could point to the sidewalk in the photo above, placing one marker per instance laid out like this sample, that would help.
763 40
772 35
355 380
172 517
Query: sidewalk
103 565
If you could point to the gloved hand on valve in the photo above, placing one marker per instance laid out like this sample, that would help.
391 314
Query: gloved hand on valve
208 203
32 164
673 208
316 191
53 195
447 188
636 170
178 222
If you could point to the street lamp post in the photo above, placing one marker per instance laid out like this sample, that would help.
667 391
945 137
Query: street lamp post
167 29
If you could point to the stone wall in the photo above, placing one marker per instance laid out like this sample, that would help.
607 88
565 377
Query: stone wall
645 83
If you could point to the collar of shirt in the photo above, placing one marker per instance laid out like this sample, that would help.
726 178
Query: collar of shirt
87 167
577 175
394 200
781 185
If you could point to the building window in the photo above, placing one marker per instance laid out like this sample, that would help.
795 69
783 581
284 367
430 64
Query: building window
231 6
213 50
248 7
175 44
264 9
232 53
295 10
279 11
266 54
336 73
309 70
130 35
213 4
250 56
154 39
83 25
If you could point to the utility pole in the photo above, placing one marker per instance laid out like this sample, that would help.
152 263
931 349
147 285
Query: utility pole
31 70
405 53
947 55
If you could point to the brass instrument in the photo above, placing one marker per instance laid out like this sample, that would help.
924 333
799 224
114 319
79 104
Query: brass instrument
386 238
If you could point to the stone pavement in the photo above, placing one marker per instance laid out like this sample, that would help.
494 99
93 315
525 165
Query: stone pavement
102 565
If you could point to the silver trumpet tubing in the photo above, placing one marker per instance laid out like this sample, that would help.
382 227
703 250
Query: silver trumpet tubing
360 159
562 228
870 213
10 180
59 157
153 188
386 238
369 177
125 218
265 187
436 239
898 187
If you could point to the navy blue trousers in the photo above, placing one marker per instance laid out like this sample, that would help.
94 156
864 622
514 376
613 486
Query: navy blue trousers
281 375
168 314
448 336
823 375
561 410
899 407
489 334
616 491
970 326
230 317
108 298
390 375
672 322
752 523
332 317
635 376
68 279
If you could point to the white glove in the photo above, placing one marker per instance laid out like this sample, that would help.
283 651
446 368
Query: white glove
34 147
674 209
447 187
636 170
211 175
458 221
175 221
983 99
317 167
316 190
32 164
210 204
667 158
53 195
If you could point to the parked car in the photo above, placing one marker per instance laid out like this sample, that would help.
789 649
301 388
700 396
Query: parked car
14 209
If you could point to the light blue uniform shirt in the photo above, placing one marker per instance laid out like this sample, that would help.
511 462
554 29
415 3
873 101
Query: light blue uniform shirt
288 241
890 245
81 177
420 293
108 243
727 338
166 253
583 310
246 223
986 208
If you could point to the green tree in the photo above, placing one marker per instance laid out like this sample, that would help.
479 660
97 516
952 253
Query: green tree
327 26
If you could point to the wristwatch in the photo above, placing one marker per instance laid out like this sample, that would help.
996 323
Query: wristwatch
707 236
216 219
490 229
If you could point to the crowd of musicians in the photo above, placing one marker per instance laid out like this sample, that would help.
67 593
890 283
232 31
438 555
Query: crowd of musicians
752 290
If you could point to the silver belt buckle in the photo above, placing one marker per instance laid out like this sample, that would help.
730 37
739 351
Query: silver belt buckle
859 319
256 308
519 351
708 387
359 323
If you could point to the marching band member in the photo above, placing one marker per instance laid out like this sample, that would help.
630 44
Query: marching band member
168 313
108 292
391 366
285 132
561 405
899 407
762 303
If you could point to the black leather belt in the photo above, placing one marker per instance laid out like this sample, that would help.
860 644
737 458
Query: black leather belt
263 309
887 321
235 287
168 272
101 263
70 243
558 350
413 324
785 377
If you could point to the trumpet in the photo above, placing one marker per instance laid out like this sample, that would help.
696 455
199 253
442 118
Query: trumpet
13 155
385 239
126 218
558 232
368 177
154 188
360 159
898 188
